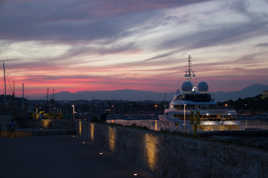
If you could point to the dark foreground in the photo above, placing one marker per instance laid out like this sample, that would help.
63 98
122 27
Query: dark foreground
59 156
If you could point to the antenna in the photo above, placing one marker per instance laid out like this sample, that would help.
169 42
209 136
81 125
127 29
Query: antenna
189 73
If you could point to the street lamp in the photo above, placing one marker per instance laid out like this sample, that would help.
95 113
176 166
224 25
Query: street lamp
184 110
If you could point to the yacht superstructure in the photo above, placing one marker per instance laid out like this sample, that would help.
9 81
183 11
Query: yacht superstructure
195 98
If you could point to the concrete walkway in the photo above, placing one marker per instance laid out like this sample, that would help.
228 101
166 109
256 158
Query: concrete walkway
59 156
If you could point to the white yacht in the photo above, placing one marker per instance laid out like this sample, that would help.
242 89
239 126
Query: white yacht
195 97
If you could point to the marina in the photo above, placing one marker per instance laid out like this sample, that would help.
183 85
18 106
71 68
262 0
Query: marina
193 110
128 88
158 152
158 125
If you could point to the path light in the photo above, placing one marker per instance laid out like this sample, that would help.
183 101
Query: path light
135 174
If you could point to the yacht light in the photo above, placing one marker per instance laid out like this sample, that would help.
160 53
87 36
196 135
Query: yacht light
207 114
208 123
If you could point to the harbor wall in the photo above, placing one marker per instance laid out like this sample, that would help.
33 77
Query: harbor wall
169 156
45 123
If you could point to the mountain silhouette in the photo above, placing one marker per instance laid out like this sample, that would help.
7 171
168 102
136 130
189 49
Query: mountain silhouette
139 95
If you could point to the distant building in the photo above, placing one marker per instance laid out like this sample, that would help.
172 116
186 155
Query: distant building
265 94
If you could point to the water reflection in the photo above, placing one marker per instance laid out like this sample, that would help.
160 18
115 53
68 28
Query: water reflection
211 126
156 125
112 138
151 150
46 123
80 128
92 131
256 124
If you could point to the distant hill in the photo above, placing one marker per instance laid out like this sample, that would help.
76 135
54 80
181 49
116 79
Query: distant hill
131 95
138 95
250 91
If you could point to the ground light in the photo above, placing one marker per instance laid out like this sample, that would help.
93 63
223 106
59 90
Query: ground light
135 174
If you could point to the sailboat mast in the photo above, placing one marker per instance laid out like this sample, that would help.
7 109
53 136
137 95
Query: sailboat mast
14 89
5 84
23 96
47 94
53 94
23 91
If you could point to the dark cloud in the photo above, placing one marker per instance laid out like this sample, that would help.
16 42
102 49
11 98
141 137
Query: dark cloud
37 65
74 51
46 78
164 55
262 45
104 24
247 58
2 3
252 59
216 36
76 20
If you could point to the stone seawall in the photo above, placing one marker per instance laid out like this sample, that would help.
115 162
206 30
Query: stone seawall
45 123
169 156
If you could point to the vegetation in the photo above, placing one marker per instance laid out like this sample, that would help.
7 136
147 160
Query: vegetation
252 105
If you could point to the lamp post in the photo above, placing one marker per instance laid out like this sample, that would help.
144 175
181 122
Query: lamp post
184 120
73 115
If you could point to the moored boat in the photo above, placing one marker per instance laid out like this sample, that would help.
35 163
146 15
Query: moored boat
195 104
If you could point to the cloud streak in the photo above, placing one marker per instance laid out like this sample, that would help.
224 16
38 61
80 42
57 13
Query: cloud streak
81 45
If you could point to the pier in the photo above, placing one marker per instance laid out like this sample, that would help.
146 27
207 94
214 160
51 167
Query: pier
59 156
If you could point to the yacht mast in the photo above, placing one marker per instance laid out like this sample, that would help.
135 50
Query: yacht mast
189 73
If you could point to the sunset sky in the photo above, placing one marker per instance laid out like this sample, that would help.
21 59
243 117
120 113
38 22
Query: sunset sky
78 45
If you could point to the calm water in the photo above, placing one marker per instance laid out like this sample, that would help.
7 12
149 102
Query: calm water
146 146
158 125
142 147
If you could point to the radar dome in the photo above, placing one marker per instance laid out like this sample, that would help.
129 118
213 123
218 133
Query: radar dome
203 87
187 86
